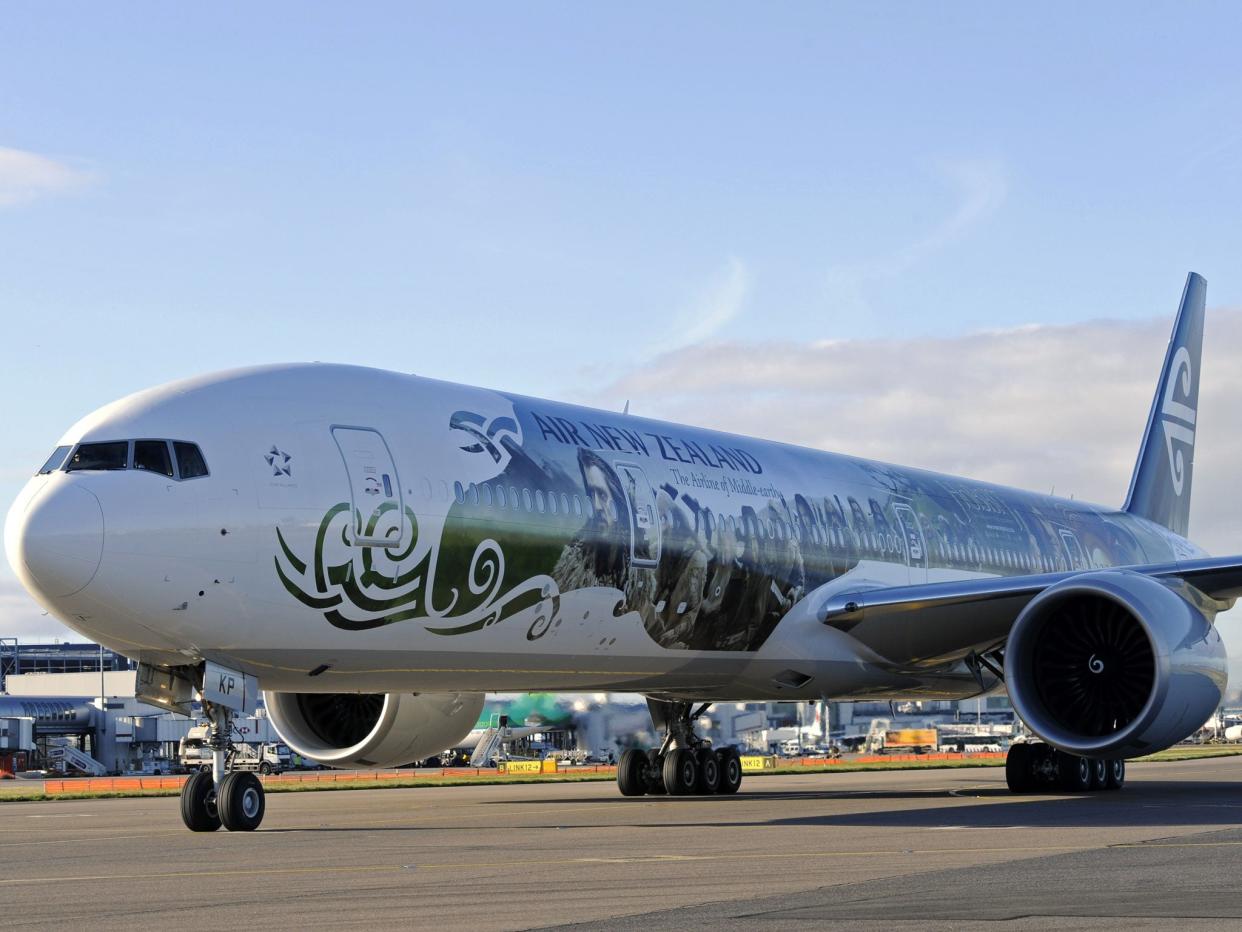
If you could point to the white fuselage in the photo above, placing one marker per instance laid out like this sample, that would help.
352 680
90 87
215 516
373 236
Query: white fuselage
359 530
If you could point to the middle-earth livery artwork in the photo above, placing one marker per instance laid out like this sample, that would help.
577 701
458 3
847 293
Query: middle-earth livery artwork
709 545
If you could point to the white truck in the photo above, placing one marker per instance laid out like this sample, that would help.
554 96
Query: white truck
195 754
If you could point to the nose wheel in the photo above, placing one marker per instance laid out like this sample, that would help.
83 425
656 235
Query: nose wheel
213 798
684 764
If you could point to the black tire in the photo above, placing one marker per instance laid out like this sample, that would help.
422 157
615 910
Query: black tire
241 801
631 780
1020 768
204 768
730 771
1116 774
1099 774
681 772
654 774
198 803
265 768
1073 772
709 772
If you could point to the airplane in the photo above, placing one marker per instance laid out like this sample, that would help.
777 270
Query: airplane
376 551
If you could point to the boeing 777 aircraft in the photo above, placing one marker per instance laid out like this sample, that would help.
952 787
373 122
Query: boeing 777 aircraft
375 551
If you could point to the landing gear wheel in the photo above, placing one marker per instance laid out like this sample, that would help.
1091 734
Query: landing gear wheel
241 803
198 803
1115 778
654 774
681 772
205 768
1020 768
709 772
730 771
1074 773
631 778
1099 774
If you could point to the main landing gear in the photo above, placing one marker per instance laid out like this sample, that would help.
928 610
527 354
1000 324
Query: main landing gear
684 764
211 799
1034 766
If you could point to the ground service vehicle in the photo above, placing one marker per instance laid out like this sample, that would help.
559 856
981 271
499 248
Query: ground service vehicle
196 753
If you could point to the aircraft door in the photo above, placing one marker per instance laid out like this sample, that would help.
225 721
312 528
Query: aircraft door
912 533
1077 560
375 490
643 520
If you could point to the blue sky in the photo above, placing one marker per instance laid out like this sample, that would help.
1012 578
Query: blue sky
545 197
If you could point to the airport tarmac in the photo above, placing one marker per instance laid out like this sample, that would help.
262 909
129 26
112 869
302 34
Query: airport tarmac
941 849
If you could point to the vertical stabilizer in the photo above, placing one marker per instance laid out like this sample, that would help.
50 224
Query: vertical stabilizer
1160 487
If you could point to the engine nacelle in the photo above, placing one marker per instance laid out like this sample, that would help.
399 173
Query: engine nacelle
1115 664
372 729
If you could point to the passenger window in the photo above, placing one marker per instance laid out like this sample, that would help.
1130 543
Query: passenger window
577 506
513 497
564 504
54 461
190 462
152 456
459 493
500 496
487 494
99 456
539 500
552 502
526 499
474 494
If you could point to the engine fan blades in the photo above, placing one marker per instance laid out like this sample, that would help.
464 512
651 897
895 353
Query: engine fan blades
1093 666
341 720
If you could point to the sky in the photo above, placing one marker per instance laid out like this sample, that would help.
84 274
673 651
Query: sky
951 236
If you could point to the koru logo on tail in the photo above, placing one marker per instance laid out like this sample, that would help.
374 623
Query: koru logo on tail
1179 418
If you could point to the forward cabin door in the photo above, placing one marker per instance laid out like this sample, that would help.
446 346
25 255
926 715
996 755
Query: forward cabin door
642 518
375 490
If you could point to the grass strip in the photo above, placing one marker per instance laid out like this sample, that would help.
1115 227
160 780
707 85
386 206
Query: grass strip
1170 755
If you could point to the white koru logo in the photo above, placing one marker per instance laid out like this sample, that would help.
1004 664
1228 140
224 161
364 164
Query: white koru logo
1179 418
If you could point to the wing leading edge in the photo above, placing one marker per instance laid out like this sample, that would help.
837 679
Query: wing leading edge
937 622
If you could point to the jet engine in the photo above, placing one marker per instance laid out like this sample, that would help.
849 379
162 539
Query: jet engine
1115 664
372 729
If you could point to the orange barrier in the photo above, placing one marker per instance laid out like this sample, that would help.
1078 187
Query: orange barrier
130 784
112 784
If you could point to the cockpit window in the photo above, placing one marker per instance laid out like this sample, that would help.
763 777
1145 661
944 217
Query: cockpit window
153 455
190 460
55 461
99 456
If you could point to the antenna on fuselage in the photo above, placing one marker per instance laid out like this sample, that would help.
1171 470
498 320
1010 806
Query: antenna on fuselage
626 409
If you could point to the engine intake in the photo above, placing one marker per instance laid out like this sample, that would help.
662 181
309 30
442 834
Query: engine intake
372 730
1115 664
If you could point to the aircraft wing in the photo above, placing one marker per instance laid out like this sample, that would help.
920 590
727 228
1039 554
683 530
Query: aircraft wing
913 624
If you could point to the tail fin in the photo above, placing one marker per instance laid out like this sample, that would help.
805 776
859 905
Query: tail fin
1160 487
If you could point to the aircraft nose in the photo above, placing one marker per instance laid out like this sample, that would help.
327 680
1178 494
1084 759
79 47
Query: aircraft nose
58 540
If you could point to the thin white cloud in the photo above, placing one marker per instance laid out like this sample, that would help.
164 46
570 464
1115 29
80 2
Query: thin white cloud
719 303
27 176
982 186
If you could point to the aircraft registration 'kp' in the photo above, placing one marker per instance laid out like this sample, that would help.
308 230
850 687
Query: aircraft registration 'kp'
375 551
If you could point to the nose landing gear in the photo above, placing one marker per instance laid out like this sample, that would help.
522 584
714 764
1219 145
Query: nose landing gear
211 799
684 764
